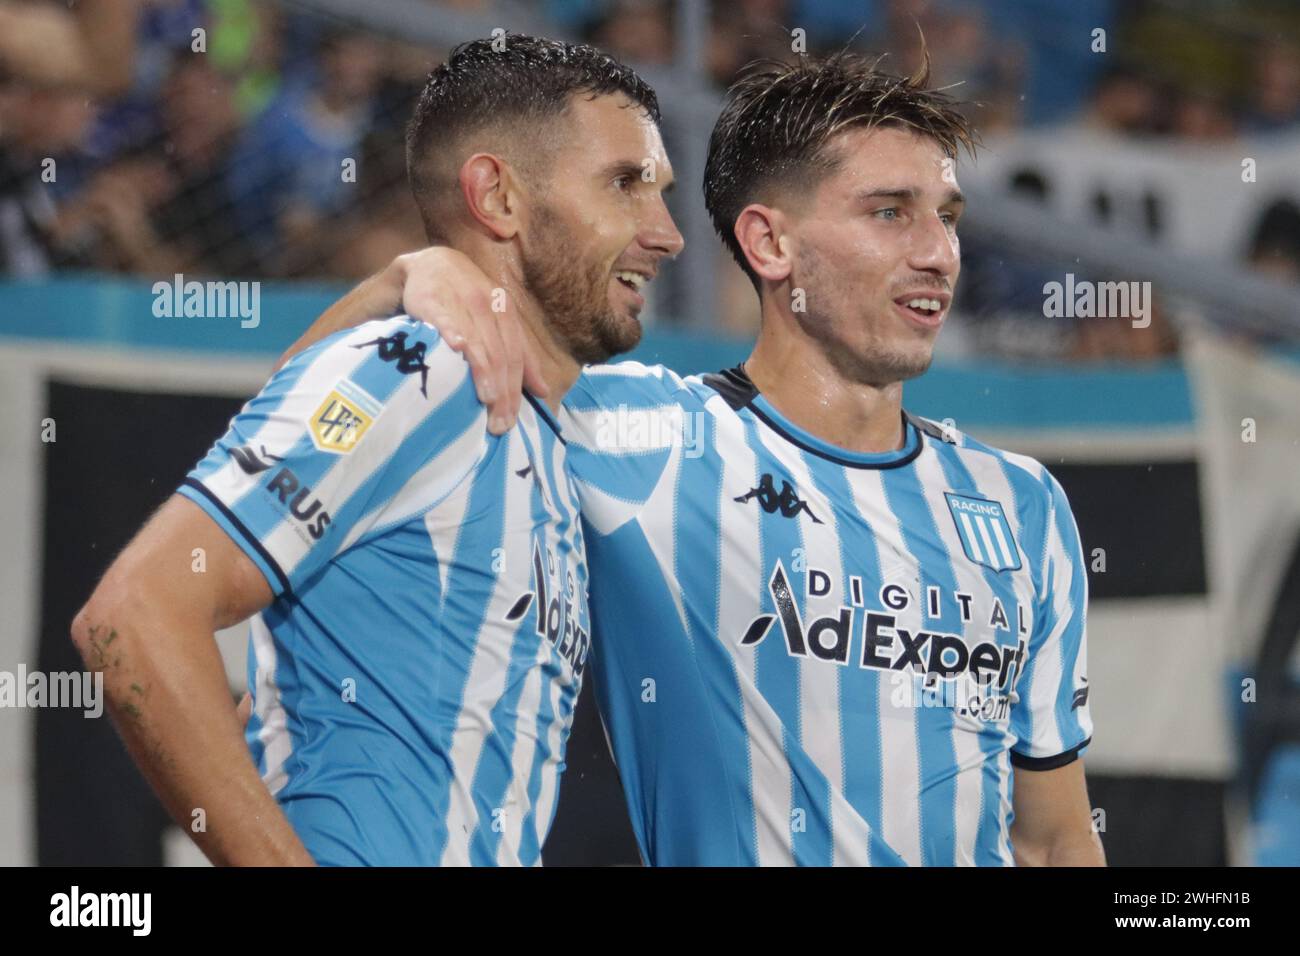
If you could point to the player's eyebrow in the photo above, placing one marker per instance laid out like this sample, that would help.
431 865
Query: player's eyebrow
955 197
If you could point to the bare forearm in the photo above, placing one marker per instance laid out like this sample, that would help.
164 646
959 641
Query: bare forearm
377 297
1074 850
172 707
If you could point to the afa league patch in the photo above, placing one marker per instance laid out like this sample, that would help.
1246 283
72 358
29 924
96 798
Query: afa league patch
340 421
985 534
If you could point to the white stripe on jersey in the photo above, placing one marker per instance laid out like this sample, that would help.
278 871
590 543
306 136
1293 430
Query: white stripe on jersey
990 478
970 536
659 519
427 488
1049 664
900 762
987 540
1039 473
516 803
1008 559
490 664
550 770
273 733
767 759
821 733
556 727
605 512
1049 667
557 731
965 733
442 523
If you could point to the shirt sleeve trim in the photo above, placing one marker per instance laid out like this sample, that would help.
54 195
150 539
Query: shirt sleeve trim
250 542
1021 762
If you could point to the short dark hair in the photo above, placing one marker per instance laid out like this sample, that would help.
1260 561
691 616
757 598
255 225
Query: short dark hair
512 82
780 117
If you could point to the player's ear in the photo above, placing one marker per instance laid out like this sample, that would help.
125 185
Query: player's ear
760 230
492 194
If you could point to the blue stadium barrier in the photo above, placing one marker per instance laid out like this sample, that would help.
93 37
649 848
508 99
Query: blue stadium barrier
108 311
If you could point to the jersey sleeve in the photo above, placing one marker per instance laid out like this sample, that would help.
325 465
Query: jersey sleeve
1051 718
363 430
626 425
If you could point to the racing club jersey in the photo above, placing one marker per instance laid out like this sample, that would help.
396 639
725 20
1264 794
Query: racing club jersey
807 655
415 676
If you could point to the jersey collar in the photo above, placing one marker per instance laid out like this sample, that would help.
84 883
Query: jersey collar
739 391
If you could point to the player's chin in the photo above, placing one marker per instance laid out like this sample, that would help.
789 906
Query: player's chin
623 332
623 322
612 334
902 360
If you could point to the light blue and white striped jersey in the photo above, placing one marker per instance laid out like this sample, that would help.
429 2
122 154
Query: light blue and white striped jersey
415 677
806 655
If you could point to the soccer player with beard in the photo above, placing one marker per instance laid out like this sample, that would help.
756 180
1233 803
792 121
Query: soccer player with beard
421 581
826 631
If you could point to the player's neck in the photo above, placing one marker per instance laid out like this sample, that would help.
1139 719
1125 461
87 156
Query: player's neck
558 368
795 376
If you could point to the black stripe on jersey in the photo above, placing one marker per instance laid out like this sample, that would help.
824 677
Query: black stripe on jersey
738 391
243 529
1021 762
545 414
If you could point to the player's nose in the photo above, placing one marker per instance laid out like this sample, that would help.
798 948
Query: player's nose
659 232
935 249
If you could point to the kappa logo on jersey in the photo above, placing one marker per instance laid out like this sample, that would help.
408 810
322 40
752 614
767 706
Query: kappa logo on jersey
250 462
392 348
985 534
557 620
787 502
343 417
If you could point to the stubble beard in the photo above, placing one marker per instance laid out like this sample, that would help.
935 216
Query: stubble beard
574 295
875 363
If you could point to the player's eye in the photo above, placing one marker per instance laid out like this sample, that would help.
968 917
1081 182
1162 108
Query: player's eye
949 219
889 214
623 183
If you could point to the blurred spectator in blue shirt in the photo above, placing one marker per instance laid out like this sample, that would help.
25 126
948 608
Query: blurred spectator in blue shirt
289 171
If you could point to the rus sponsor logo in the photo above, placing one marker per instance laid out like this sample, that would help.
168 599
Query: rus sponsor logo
286 487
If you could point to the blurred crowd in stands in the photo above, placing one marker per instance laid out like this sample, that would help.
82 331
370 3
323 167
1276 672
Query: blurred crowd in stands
270 143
